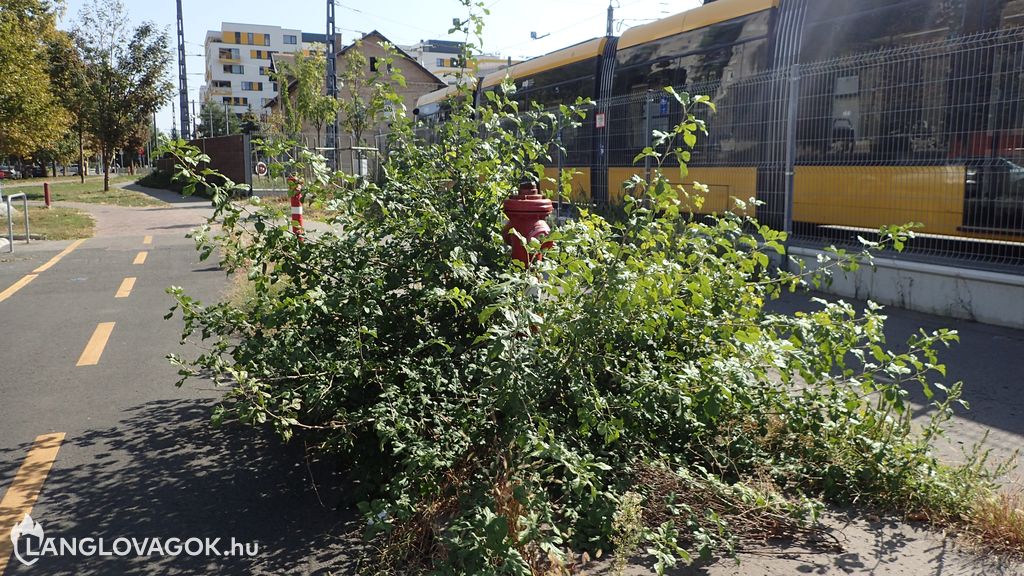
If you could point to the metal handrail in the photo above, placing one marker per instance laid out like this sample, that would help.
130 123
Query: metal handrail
10 219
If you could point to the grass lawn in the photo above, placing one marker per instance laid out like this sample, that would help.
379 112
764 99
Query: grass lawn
57 223
71 190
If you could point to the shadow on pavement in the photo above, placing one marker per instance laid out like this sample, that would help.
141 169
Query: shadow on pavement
169 196
988 359
164 472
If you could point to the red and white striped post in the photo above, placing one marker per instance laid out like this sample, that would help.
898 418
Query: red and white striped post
295 185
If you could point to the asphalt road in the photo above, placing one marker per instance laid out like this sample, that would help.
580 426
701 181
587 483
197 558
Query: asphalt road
138 458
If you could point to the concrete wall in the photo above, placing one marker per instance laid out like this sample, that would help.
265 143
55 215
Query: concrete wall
988 297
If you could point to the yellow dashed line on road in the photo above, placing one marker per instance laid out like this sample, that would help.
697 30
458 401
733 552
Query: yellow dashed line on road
140 258
57 258
94 349
147 240
16 286
21 496
9 291
126 287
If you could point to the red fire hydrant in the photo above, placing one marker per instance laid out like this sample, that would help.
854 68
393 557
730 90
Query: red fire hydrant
526 213
295 185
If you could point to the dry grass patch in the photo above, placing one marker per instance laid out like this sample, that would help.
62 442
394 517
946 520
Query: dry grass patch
997 522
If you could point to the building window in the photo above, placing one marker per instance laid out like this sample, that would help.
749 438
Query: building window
373 63
266 39
264 70
228 53
221 84
290 39
440 62
248 38
234 69
274 85
238 37
252 86
260 54
235 101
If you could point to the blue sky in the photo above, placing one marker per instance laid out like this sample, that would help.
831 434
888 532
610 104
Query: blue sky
507 29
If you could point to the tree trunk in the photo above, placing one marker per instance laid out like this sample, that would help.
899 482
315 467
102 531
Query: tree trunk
81 153
106 170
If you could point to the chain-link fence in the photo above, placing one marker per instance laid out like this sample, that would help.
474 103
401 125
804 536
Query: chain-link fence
932 133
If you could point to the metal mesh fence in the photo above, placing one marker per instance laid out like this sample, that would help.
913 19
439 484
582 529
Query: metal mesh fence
932 133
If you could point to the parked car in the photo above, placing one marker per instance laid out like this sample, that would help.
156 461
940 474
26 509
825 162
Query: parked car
10 172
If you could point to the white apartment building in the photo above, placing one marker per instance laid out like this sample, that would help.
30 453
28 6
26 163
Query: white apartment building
443 59
238 63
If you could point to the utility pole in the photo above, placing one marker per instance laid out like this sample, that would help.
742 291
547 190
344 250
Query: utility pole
174 122
332 89
182 77
611 20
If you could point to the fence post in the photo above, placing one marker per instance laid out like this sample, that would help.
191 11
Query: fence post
791 116
558 183
648 98
46 193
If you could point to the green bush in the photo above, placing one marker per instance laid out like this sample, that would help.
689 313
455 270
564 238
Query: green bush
502 418
160 179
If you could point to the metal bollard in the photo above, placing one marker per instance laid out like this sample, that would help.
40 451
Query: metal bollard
10 220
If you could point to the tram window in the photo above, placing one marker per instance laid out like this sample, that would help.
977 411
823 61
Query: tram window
703 53
1011 14
842 28
650 76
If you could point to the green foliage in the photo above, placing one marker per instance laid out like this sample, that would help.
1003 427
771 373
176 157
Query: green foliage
365 98
31 115
306 100
126 76
215 119
500 418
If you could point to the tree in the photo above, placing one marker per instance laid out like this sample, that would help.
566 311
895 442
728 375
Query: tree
127 75
304 77
31 116
68 76
215 119
366 97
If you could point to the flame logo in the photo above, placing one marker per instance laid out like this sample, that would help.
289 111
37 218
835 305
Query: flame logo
27 527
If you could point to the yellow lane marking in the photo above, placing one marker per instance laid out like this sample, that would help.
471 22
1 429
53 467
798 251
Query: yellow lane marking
140 258
28 482
147 240
126 287
57 258
94 349
16 286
